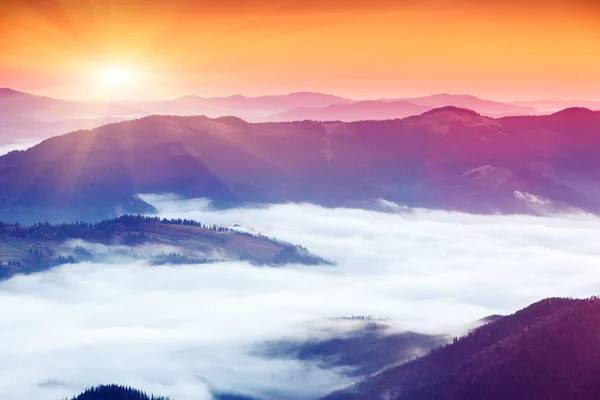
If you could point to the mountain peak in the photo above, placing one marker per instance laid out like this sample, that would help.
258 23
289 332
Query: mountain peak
9 91
231 120
574 112
452 109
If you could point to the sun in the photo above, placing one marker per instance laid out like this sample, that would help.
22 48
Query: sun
116 80
116 76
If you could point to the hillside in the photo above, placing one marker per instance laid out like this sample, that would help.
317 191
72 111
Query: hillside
27 249
364 349
548 350
447 158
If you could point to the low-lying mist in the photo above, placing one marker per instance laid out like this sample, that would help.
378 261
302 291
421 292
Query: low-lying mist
180 330
7 147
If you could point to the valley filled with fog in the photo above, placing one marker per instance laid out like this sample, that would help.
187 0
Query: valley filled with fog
299 200
187 330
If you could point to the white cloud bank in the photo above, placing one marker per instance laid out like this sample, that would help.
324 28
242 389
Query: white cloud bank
7 147
175 330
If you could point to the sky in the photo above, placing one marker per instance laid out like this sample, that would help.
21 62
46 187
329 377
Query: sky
176 330
156 49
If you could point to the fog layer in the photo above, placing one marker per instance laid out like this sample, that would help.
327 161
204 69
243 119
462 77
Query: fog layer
180 330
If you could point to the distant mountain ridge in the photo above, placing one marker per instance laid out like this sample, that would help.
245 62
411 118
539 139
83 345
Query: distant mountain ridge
556 105
32 118
448 158
18 106
252 108
486 107
348 112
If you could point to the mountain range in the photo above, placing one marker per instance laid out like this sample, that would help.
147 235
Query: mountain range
18 106
32 118
447 158
546 106
348 112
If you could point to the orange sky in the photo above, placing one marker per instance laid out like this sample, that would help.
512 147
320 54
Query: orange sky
503 49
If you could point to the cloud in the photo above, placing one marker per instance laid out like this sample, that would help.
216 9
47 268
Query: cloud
7 147
118 252
179 330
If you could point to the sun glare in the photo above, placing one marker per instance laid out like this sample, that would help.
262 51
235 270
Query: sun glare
117 76
113 81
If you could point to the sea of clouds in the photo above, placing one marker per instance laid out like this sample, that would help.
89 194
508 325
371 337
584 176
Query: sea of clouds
181 330
7 147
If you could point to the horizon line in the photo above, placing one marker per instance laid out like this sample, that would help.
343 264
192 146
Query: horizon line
281 94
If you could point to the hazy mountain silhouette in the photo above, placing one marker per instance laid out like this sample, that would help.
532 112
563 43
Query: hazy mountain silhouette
555 105
297 99
485 107
548 350
361 110
18 106
28 118
34 130
447 158
399 108
24 116
251 108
